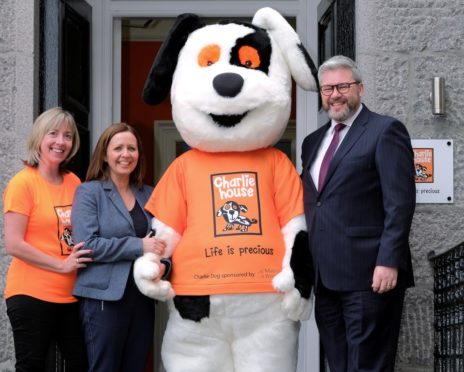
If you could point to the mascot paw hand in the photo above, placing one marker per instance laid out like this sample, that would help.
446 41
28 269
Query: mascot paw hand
296 307
146 271
160 290
163 291
284 281
147 267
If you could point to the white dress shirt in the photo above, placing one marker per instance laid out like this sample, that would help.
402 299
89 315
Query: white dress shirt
316 165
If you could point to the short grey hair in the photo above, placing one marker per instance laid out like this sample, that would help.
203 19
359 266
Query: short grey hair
340 62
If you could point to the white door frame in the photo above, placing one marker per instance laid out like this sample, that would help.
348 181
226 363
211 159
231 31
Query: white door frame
106 80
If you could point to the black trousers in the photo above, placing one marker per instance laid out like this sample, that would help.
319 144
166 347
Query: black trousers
36 324
359 330
119 334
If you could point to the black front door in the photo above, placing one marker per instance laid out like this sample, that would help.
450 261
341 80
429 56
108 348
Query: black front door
75 75
64 71
64 80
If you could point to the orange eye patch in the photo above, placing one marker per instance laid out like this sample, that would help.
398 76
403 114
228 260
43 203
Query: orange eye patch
209 55
249 57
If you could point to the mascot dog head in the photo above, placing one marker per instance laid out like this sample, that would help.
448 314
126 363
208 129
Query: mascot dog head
230 82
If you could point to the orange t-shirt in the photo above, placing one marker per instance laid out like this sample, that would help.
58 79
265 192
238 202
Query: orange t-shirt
229 209
48 208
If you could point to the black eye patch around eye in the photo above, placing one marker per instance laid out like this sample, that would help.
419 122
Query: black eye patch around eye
258 40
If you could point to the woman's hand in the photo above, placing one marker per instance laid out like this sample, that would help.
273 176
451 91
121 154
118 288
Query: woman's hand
77 259
15 225
151 244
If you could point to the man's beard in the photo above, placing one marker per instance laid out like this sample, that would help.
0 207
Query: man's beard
340 116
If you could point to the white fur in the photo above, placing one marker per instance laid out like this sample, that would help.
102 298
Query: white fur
265 97
293 305
164 232
297 307
284 281
146 268
287 40
243 333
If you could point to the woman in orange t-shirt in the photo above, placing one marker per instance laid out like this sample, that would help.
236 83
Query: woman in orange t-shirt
37 225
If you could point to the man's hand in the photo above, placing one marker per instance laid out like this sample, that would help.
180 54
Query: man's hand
384 279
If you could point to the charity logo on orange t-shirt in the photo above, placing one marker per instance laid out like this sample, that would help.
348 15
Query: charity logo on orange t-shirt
229 209
227 190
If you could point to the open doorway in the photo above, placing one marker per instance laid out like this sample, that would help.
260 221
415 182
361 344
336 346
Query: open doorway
108 90
141 39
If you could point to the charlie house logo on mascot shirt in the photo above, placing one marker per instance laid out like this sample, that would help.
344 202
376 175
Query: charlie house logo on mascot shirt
236 203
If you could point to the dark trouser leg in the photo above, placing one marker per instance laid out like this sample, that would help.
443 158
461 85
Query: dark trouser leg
118 334
104 334
373 324
140 333
32 322
71 339
359 330
328 311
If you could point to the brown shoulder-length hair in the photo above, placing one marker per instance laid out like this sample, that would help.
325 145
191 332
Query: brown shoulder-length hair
98 167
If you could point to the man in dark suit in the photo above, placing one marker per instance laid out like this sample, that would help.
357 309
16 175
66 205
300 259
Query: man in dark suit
359 195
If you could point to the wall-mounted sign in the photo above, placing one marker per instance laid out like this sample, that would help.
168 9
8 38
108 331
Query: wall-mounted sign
433 160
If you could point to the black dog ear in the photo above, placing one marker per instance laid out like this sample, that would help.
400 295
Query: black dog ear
159 79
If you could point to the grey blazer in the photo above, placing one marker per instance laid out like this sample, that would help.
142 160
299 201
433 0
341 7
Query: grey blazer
100 219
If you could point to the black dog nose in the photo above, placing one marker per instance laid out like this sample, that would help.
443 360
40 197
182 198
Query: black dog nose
228 84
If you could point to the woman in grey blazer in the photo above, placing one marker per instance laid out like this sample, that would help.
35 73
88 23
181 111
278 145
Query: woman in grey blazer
108 215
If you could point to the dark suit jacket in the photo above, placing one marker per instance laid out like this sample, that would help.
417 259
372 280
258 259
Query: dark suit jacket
362 216
100 219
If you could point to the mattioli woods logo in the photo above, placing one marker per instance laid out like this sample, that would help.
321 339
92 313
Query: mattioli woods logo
236 203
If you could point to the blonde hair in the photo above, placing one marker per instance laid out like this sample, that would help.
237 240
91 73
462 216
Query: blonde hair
48 120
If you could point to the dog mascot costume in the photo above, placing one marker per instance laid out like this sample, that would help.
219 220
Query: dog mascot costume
231 208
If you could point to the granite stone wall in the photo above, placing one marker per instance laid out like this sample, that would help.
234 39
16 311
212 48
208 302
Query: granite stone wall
401 45
17 103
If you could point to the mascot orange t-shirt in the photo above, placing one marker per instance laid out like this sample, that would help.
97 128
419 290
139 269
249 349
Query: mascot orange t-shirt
229 209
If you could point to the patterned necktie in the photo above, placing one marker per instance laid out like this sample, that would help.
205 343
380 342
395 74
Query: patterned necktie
329 154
